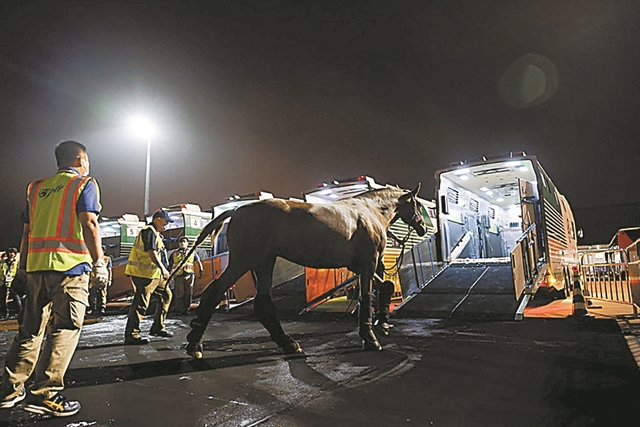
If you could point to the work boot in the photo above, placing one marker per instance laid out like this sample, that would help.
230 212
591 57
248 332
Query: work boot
135 341
162 333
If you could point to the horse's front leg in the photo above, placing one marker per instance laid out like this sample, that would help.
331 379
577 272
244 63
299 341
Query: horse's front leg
369 340
211 298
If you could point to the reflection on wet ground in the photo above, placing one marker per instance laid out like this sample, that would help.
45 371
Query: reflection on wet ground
431 372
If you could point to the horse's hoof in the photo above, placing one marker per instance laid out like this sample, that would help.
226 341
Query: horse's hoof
196 332
293 348
371 346
194 350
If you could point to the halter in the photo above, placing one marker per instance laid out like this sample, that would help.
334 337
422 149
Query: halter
416 215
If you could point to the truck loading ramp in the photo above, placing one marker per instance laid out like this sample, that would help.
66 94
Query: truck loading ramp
465 290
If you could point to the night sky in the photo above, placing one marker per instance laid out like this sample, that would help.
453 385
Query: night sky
280 96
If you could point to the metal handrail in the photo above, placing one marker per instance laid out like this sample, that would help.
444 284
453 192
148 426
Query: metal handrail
608 281
528 241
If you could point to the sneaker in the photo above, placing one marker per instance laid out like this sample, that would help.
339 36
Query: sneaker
385 328
57 406
162 333
13 399
135 341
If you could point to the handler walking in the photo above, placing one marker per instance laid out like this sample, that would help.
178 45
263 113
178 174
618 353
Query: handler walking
147 269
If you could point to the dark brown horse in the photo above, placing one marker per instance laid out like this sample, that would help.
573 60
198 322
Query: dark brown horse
348 233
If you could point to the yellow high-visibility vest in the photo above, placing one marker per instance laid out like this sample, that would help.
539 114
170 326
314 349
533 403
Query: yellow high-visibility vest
188 265
9 271
140 263
56 242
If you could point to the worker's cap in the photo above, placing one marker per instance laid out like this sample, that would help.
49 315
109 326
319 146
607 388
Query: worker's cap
183 238
162 214
12 250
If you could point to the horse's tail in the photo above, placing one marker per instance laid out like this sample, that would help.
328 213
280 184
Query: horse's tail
212 228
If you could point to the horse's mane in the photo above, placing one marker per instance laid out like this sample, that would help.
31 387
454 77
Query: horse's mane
376 191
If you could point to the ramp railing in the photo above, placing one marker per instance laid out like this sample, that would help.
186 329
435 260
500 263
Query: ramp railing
612 275
526 268
419 267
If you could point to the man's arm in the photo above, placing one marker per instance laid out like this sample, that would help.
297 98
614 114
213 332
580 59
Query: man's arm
91 233
197 258
24 247
156 260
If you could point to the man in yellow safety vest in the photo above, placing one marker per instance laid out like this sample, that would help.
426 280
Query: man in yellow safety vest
185 276
147 267
60 250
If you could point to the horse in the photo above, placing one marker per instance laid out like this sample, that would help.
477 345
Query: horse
347 233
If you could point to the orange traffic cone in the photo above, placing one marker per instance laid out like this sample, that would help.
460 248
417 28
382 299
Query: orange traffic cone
579 306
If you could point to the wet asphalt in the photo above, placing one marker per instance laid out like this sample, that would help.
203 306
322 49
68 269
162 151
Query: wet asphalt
538 372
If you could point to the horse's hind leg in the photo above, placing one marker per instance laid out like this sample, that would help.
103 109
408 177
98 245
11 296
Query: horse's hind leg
210 299
265 310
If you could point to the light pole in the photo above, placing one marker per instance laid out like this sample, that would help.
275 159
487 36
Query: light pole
147 177
144 128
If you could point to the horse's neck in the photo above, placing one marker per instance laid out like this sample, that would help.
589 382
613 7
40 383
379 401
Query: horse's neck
385 203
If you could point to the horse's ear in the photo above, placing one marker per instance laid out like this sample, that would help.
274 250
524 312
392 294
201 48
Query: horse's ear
416 190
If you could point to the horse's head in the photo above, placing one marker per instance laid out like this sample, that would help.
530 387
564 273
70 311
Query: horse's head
409 210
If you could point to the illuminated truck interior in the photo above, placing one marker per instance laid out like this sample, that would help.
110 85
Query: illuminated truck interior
480 208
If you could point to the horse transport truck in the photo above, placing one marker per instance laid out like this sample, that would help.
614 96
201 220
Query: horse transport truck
504 234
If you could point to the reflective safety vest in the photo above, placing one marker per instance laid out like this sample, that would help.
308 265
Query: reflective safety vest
9 270
56 242
140 263
187 268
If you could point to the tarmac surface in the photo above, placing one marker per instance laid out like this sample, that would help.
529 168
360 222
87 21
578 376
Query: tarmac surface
537 372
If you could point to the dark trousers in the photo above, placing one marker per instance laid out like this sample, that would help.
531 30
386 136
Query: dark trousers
5 294
144 289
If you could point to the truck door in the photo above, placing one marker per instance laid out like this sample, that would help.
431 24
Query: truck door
530 210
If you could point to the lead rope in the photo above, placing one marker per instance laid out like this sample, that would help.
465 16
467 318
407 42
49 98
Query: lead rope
395 268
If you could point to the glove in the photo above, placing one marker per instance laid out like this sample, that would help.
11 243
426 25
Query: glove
19 283
99 273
